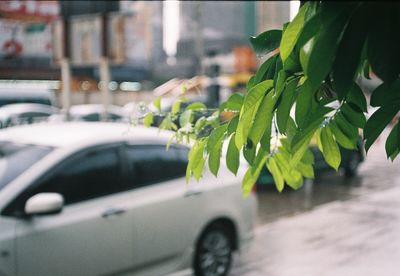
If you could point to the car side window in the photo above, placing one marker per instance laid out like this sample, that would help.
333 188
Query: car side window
151 164
93 174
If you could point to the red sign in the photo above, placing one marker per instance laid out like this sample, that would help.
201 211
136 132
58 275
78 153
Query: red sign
30 10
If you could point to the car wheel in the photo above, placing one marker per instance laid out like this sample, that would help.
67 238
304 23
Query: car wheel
214 252
351 168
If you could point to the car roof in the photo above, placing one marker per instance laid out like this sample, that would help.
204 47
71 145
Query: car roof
22 93
84 109
66 134
27 107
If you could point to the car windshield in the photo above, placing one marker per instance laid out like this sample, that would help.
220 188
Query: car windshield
16 158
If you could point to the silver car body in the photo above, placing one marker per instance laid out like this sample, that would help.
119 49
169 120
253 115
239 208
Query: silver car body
155 236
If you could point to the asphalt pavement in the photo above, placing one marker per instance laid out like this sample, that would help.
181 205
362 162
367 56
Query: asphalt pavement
333 226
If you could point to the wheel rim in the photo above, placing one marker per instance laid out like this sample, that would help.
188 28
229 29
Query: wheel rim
215 254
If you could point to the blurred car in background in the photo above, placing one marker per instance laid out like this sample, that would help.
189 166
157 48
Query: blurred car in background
25 113
92 113
93 199
19 95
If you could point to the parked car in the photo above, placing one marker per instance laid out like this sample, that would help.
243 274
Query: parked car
25 113
93 199
19 95
92 113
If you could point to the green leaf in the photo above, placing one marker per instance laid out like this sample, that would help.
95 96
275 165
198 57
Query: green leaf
186 117
200 123
250 106
330 148
292 32
349 51
196 160
341 138
261 73
232 156
318 54
356 97
157 103
276 174
249 152
305 169
308 157
383 42
355 118
232 125
303 103
287 100
378 121
253 172
392 145
263 118
196 106
291 176
214 147
176 107
385 93
234 102
148 119
266 42
251 82
349 130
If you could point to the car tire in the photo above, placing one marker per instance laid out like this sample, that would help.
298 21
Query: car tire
352 165
214 250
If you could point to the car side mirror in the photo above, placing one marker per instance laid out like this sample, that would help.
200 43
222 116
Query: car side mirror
44 204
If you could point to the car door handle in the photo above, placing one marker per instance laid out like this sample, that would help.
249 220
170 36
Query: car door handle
192 193
113 212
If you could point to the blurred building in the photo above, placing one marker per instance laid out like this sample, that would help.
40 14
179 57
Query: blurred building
130 33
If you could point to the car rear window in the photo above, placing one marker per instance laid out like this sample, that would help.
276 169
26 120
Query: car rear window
16 158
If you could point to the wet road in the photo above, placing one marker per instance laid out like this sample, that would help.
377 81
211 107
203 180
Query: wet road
333 226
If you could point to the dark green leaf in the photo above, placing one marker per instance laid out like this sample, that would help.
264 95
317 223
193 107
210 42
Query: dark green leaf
266 42
346 128
341 138
378 121
385 93
249 151
262 72
349 52
356 97
352 116
214 147
392 145
232 125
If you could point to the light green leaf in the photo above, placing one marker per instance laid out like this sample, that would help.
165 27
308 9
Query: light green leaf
263 118
196 106
250 106
232 125
305 169
214 147
186 117
330 148
200 123
176 107
148 119
196 160
157 103
232 156
276 174
234 102
292 32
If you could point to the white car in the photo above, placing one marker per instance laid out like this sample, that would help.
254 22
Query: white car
103 198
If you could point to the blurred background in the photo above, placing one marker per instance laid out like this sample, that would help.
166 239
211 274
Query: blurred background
97 60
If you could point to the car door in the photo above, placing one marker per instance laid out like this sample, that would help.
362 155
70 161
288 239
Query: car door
92 234
165 216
